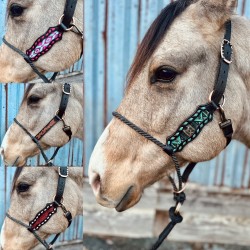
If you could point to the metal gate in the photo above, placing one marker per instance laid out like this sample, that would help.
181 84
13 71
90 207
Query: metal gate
112 32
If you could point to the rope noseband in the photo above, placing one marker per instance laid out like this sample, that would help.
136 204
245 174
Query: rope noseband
58 117
189 130
45 214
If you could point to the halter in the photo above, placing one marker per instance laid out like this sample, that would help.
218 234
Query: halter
45 42
58 117
45 214
189 130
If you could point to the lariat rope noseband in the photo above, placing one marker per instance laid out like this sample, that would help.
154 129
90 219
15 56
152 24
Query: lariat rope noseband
58 117
45 214
189 130
45 42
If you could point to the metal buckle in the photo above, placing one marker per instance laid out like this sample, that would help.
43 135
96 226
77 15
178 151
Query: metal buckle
224 42
62 175
65 92
72 24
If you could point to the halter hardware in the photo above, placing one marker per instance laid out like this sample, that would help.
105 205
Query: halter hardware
226 42
66 91
63 174
63 26
189 130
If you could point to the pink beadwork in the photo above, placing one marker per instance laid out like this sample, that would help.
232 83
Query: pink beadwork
44 43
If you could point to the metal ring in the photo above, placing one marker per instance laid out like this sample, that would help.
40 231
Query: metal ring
223 99
59 204
178 207
56 113
72 24
180 191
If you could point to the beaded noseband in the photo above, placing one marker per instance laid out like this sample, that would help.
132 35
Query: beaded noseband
190 129
45 42
45 214
58 117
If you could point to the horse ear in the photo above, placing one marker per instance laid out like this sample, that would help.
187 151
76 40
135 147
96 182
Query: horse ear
217 11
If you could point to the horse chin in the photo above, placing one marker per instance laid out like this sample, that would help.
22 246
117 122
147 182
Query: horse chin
129 200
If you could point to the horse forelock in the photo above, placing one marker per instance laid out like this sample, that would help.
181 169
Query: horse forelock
155 35
16 175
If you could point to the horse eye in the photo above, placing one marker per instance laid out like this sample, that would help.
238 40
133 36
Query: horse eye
164 74
16 10
33 99
22 187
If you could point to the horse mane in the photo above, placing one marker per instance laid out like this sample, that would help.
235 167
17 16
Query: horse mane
27 90
16 175
154 36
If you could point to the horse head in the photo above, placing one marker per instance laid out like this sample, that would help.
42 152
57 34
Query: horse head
39 105
26 23
174 71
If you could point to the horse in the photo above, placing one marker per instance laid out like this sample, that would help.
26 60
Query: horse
26 22
30 193
40 103
174 71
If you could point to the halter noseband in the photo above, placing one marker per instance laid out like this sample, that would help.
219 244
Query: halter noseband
45 42
189 130
58 117
45 214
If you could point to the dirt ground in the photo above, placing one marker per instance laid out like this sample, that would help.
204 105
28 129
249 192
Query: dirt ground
111 243
75 246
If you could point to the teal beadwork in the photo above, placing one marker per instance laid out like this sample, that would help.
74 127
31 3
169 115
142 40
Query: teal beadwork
190 128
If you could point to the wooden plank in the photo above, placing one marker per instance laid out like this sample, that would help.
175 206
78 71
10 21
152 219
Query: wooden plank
211 215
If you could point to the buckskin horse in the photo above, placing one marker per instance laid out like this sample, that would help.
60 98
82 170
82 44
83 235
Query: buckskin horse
41 36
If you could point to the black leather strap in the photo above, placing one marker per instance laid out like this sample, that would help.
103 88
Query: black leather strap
64 100
68 14
63 174
226 48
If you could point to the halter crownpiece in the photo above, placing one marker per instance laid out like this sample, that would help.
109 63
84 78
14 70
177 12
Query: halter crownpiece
46 41
45 214
189 130
66 91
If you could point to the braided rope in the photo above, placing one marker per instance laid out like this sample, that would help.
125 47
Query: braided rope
138 130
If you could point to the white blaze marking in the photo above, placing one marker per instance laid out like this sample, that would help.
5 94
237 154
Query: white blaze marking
97 159
2 238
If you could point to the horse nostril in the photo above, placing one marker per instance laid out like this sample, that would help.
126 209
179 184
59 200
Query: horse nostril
2 151
96 183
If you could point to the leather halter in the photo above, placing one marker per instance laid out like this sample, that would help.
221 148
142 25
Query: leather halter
190 129
45 214
66 23
58 117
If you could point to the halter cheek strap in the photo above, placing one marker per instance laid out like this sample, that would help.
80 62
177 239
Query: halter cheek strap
189 130
45 214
